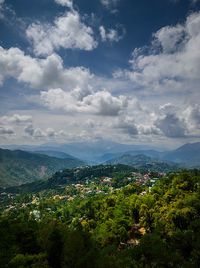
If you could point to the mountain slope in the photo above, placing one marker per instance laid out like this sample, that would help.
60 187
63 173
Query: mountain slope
188 154
18 167
143 162
70 176
56 154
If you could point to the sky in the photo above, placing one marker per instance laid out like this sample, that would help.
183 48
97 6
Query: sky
121 70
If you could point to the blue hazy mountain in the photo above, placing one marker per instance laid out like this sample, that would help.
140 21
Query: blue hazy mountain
92 152
188 154
101 151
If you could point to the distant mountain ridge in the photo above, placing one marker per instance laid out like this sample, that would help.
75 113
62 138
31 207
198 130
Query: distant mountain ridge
56 154
188 154
91 152
19 167
102 151
143 162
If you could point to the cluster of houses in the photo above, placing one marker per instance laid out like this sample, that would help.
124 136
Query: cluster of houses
102 185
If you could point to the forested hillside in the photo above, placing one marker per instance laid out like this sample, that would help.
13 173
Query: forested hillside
126 220
71 176
144 162
18 167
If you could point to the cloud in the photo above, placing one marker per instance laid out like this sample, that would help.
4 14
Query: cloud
167 120
170 121
170 66
6 130
99 103
127 125
194 114
148 130
16 119
1 3
29 130
192 117
34 132
171 39
172 63
171 126
50 132
67 32
110 35
167 108
40 73
103 103
110 4
67 3
37 133
1 8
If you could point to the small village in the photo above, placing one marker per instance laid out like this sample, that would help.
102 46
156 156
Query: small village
90 187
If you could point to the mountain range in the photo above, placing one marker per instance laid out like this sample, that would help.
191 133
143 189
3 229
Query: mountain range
93 152
186 156
32 163
100 151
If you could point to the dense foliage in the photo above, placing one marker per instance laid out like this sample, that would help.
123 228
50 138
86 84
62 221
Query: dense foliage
104 223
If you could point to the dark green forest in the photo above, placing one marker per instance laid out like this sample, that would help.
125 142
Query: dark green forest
117 221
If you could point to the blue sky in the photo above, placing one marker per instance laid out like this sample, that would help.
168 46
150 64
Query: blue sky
126 71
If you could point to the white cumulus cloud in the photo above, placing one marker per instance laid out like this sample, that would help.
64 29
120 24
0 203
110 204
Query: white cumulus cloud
99 103
173 62
67 3
67 31
170 38
40 73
